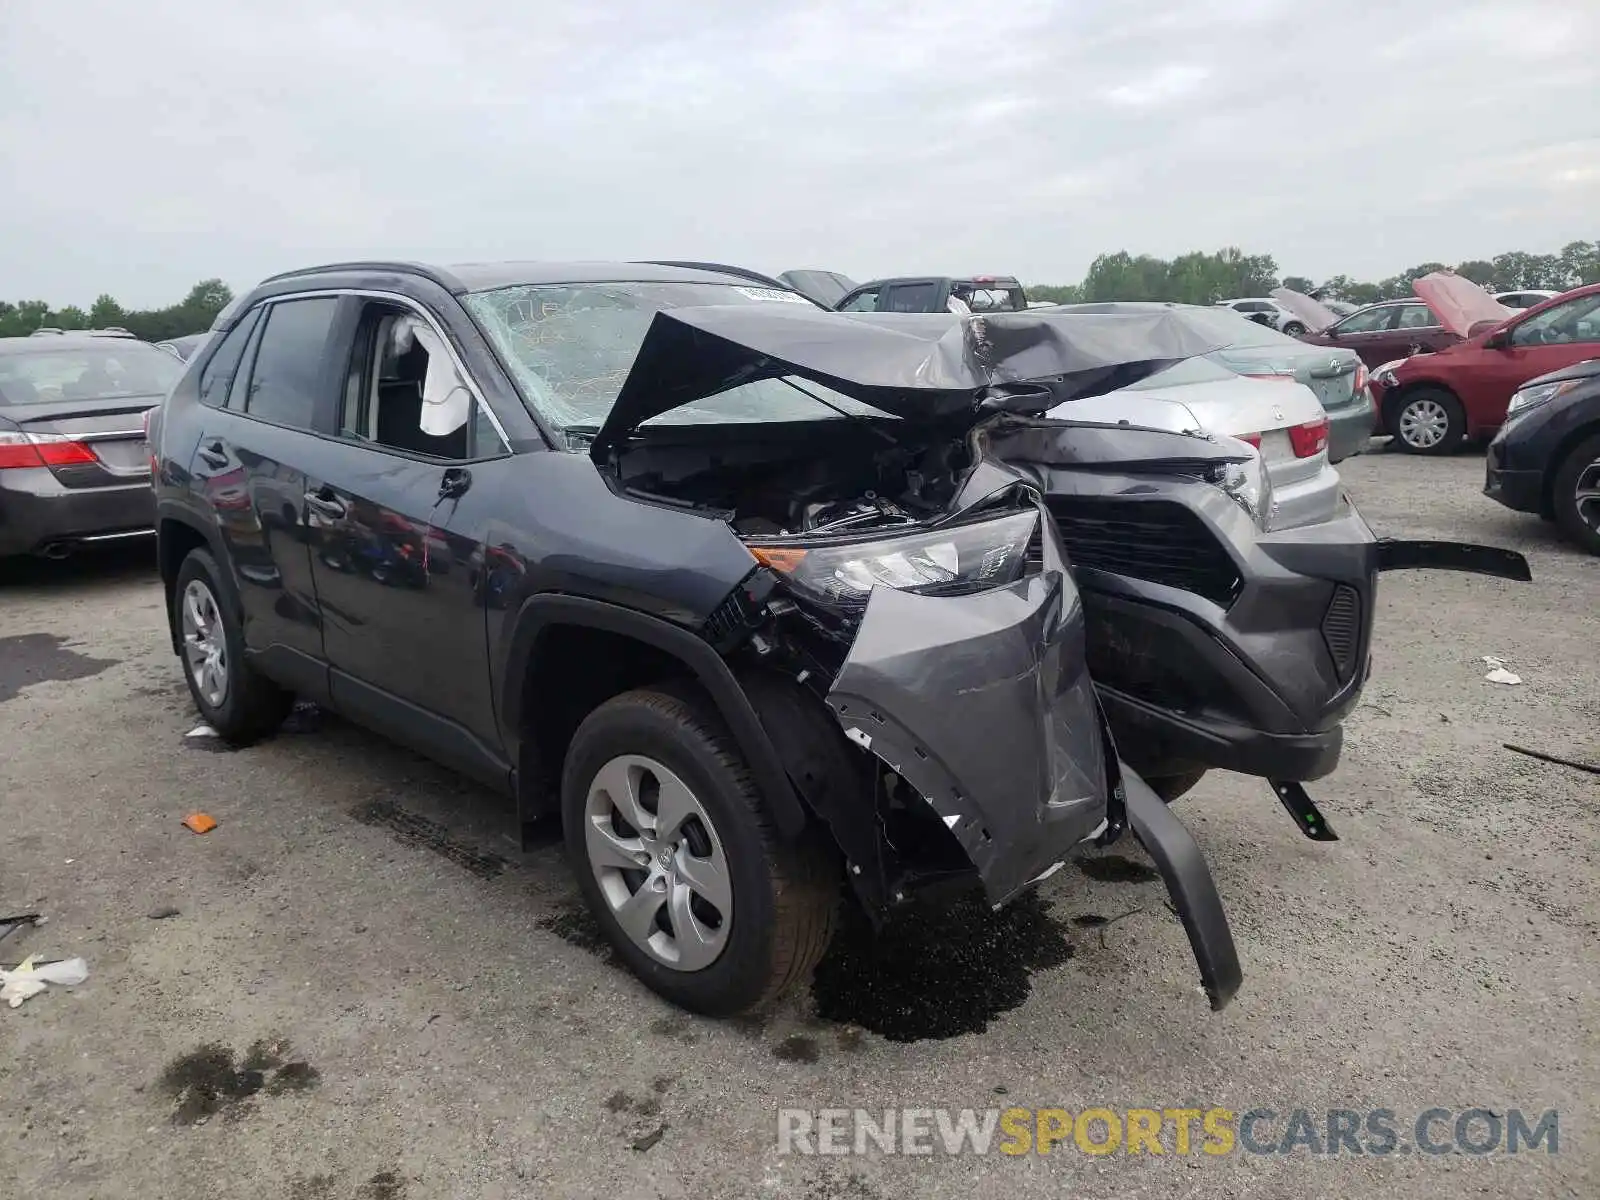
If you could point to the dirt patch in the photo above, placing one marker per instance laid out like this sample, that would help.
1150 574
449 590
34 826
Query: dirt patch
207 1082
30 658
1113 868
937 971
798 1048
413 830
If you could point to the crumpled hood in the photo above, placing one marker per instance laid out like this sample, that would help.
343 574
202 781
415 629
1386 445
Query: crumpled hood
1316 315
919 366
1459 302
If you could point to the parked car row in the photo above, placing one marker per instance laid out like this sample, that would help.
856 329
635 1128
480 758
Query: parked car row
716 578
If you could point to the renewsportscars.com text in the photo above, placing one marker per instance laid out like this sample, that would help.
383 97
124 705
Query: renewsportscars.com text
1177 1131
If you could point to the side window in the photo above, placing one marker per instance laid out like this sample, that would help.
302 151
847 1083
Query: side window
1575 321
403 392
1253 306
911 298
288 367
216 378
1368 320
866 301
1416 316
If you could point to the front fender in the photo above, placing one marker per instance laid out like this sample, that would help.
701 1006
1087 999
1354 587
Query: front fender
708 667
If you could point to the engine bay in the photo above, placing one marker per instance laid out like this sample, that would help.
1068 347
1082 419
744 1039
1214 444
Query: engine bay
814 477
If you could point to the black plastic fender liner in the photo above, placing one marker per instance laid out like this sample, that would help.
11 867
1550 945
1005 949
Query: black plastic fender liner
1397 555
1194 893
709 668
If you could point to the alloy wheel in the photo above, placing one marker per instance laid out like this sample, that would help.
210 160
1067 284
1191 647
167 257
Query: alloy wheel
205 649
1423 424
659 862
1586 497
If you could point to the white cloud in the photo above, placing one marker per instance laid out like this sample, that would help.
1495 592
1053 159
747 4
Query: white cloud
145 147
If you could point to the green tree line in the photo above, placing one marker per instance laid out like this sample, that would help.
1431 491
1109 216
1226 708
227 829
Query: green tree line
193 314
1200 278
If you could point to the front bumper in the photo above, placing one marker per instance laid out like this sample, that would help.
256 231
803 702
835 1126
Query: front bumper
983 704
36 511
1510 482
1214 645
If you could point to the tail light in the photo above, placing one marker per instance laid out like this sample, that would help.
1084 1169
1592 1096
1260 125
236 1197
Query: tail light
1310 438
1253 438
1361 378
42 450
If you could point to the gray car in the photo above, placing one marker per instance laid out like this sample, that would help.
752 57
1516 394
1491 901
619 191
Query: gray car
1336 376
74 467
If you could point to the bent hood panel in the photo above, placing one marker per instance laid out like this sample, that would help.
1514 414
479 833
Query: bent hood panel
1460 303
984 705
911 365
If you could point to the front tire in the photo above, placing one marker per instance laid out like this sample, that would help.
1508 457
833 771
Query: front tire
235 699
1428 421
680 862
1576 493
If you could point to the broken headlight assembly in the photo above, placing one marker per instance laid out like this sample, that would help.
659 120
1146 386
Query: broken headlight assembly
948 560
1248 485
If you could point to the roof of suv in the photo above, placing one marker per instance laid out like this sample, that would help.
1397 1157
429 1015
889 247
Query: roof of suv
476 277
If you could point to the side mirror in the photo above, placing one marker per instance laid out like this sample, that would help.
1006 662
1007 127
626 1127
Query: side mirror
1498 341
1332 331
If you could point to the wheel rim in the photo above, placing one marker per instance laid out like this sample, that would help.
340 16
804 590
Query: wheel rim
659 862
205 649
1423 424
1586 496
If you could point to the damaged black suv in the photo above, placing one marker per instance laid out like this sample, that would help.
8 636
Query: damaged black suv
756 599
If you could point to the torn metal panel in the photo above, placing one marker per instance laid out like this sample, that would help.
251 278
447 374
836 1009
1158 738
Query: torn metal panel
916 366
1397 555
983 703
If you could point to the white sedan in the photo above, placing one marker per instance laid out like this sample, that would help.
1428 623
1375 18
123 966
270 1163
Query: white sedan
1282 419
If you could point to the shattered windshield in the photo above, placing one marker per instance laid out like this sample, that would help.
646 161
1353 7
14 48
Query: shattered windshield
571 346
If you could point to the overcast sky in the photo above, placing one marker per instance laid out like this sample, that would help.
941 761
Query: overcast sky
146 146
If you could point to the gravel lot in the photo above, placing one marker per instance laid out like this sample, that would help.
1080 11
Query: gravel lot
430 1019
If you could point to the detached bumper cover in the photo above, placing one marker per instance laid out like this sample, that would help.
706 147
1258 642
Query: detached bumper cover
1193 891
983 703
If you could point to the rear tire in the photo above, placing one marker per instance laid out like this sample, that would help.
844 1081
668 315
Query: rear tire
1294 329
235 699
670 748
1428 421
1576 494
1170 787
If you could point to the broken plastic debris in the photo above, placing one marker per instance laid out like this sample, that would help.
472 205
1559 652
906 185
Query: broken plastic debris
201 730
200 822
31 977
1497 671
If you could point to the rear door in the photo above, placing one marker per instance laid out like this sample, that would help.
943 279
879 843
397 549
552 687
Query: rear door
1369 333
260 393
398 496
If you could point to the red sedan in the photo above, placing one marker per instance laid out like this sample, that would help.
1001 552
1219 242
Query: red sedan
1430 402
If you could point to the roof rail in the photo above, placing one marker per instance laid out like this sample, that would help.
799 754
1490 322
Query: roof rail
723 269
443 278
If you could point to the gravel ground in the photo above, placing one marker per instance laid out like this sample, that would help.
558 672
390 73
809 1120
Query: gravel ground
358 988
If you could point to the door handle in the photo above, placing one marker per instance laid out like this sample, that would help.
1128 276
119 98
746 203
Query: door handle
214 454
325 503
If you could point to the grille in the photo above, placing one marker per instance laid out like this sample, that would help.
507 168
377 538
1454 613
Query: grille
1341 629
1154 540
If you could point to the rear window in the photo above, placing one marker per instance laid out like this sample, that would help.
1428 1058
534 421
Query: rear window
113 369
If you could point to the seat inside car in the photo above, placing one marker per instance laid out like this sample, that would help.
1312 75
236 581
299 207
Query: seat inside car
398 396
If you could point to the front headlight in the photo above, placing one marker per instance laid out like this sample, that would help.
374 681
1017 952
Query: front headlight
1248 485
950 560
1533 397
